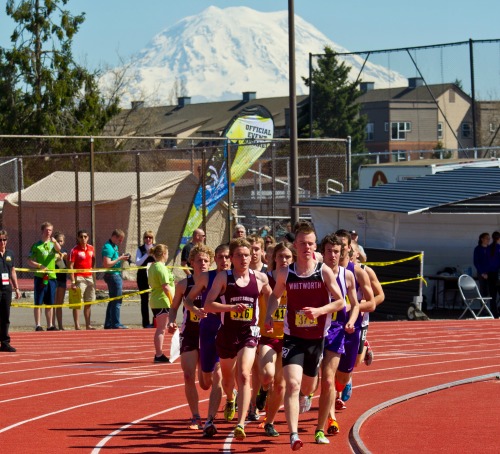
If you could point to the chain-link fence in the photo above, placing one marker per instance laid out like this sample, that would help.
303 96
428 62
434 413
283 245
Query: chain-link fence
138 184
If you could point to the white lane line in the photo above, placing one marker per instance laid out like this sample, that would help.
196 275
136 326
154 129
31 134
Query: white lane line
86 404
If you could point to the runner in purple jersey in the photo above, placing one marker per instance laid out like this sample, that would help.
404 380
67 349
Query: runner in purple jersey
312 296
331 248
236 342
209 374
200 258
366 304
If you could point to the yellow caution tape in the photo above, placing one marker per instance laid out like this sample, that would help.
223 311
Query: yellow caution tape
413 257
93 270
406 280
78 305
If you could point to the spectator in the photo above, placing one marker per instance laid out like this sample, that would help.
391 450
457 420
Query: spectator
42 256
361 251
9 276
61 280
481 262
239 231
143 258
198 238
493 270
113 260
82 257
161 281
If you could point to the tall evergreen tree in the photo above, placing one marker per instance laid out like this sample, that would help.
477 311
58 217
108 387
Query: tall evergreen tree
335 110
46 91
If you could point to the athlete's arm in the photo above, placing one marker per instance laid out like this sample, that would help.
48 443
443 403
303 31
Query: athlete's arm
367 304
378 292
198 287
180 288
275 296
337 302
353 299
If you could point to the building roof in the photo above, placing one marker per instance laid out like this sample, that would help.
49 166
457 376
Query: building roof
205 119
408 94
466 190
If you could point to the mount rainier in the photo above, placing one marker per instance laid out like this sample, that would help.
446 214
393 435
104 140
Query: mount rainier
220 53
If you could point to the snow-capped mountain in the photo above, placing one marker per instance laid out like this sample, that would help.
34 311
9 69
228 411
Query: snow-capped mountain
220 53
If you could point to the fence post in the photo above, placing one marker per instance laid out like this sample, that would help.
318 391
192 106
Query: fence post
92 195
77 194
227 147
138 179
20 254
348 169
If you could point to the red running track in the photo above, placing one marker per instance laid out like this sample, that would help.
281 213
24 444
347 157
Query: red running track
97 391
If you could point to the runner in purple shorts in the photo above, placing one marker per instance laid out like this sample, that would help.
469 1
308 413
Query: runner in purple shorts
342 324
236 342
209 374
200 258
366 304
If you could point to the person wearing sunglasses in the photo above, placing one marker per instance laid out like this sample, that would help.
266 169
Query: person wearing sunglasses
82 258
144 258
9 283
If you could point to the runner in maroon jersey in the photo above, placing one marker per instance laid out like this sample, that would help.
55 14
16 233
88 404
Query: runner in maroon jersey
237 339
312 296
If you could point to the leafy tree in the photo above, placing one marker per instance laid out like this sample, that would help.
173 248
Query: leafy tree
335 109
45 91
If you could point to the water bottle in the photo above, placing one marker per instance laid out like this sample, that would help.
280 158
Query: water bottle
45 279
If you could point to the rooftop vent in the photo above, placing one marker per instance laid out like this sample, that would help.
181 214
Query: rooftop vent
183 101
414 82
137 105
366 86
249 95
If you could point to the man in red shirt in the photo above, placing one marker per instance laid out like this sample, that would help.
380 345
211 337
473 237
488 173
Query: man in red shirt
82 257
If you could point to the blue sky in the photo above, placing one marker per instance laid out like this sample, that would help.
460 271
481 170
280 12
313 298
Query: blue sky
122 27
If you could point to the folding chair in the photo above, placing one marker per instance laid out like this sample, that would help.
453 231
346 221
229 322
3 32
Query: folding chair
471 295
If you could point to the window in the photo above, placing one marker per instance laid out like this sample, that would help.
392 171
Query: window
466 130
493 128
399 130
440 131
369 130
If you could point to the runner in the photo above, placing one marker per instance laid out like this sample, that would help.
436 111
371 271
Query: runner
331 248
200 258
238 335
271 344
310 288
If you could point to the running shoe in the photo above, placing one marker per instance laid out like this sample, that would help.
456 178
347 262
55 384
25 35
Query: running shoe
270 430
333 427
195 423
239 433
52 328
339 404
320 439
161 359
38 328
209 430
253 414
295 442
369 354
261 399
347 392
230 409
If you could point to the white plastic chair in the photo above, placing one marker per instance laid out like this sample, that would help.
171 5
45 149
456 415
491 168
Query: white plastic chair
470 295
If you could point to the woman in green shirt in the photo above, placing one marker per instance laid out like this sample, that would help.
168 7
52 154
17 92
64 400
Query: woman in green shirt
161 281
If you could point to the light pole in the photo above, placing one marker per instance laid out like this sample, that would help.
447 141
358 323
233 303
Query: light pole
294 167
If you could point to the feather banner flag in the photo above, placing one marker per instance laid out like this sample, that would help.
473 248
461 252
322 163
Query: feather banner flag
250 132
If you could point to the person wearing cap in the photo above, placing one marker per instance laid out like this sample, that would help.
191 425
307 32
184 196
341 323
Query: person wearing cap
361 251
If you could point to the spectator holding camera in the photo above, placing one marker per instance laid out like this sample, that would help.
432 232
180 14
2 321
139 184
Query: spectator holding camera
113 260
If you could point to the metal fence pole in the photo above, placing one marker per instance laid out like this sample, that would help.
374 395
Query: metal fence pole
138 180
92 192
20 210
77 194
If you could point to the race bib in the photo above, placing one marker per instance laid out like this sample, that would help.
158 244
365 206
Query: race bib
193 317
245 316
279 314
302 321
